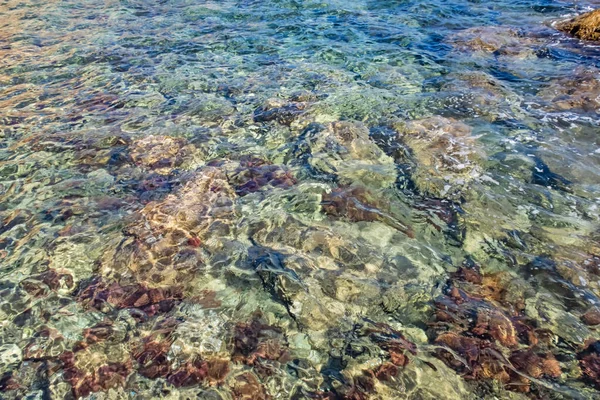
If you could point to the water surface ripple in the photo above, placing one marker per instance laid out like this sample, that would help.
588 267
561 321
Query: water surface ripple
283 199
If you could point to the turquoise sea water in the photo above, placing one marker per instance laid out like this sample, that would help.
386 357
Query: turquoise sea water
298 200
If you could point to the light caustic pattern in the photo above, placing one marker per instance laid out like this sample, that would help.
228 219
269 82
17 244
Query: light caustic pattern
298 200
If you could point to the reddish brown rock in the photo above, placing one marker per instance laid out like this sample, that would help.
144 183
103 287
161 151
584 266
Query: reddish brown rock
473 357
149 300
591 317
551 366
358 204
386 371
399 359
355 204
207 299
589 361
217 370
256 341
478 332
494 288
247 387
395 344
468 348
253 174
50 280
196 371
9 383
110 375
152 359
469 274
497 325
189 374
592 264
390 339
536 365
362 385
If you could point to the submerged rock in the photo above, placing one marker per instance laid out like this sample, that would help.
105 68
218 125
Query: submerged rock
160 153
100 294
589 362
10 356
579 91
171 240
485 335
476 94
95 369
252 174
591 317
257 342
246 386
344 151
282 112
585 26
356 204
501 40
447 156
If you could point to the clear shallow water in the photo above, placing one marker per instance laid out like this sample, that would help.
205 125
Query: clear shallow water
280 199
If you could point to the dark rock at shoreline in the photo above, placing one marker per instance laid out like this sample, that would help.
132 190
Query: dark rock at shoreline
585 26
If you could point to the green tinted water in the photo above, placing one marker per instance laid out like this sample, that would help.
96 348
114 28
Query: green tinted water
304 200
